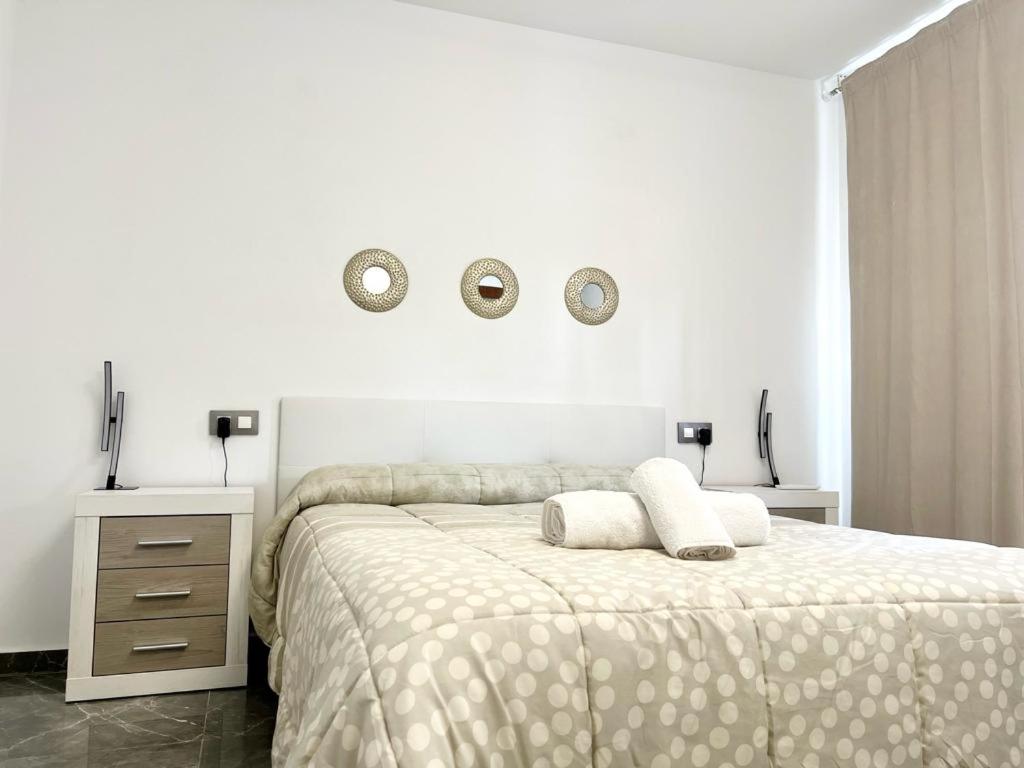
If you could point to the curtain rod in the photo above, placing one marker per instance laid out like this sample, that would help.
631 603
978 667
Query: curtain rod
835 90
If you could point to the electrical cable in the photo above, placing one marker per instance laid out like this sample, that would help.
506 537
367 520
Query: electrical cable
703 458
224 447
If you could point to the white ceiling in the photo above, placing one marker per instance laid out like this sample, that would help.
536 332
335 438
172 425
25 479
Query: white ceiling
802 38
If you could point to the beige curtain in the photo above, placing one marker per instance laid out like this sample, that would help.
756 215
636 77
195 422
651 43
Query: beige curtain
935 151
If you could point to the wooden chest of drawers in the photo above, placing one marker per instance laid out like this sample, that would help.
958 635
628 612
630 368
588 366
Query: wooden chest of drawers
159 591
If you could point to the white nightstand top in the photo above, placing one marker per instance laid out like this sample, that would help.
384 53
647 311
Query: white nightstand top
202 490
781 498
205 500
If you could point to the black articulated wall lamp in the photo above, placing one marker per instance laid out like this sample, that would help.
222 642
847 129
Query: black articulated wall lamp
764 437
111 429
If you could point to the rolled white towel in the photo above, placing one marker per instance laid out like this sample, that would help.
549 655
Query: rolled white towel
744 516
619 520
680 512
598 520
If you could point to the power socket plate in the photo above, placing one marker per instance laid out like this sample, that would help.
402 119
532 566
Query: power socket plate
234 416
686 431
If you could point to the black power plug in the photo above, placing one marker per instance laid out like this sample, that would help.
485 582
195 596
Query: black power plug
704 439
224 432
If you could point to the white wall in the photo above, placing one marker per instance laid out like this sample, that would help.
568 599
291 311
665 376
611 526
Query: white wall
185 181
6 54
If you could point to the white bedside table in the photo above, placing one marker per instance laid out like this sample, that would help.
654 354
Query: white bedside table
159 591
815 506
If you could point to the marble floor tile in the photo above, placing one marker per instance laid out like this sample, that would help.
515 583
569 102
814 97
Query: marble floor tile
213 729
239 728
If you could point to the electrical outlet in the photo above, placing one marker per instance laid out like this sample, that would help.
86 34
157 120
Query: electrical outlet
242 422
686 431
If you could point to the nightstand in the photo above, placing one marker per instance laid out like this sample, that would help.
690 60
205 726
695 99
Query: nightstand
159 591
815 506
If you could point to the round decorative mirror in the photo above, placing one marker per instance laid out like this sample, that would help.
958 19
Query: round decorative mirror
376 280
490 288
591 296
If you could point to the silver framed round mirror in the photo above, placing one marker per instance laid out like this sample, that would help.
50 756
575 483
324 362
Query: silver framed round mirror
376 280
591 296
490 288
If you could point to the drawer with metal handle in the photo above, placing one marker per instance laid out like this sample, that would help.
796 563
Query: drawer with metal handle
161 593
140 542
152 645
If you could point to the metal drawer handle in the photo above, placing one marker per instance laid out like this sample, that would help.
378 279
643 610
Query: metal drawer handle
164 542
175 593
161 647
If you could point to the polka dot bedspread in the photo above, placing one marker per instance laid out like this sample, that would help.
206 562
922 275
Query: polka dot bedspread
449 634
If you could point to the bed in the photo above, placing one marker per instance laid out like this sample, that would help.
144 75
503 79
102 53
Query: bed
417 619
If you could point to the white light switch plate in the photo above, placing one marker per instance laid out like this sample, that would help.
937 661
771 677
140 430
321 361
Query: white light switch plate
686 431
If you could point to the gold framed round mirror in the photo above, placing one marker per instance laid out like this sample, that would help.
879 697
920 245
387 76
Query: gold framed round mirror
490 288
376 280
591 296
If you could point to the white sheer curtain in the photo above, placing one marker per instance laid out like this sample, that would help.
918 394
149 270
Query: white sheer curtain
833 309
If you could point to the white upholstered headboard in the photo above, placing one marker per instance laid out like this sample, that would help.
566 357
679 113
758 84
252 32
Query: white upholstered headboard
315 431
